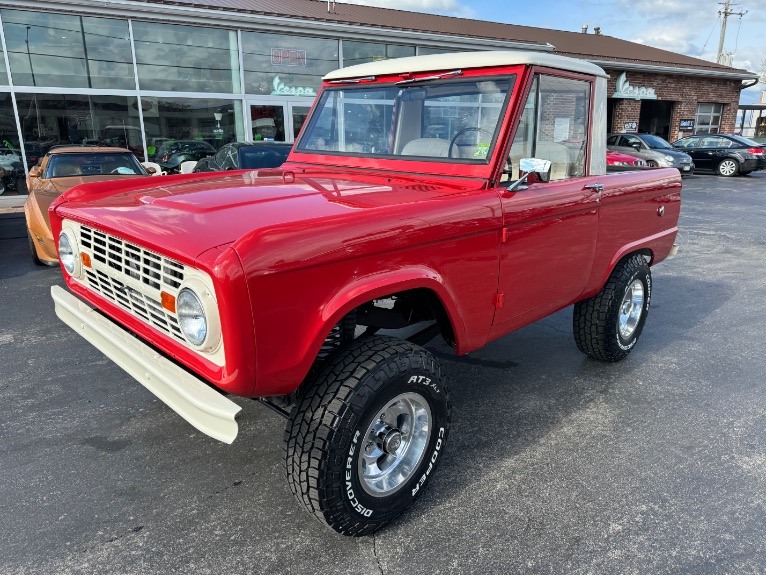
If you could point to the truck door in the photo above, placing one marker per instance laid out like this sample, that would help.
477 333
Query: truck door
549 229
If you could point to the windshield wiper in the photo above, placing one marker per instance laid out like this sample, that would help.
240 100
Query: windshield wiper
353 80
434 77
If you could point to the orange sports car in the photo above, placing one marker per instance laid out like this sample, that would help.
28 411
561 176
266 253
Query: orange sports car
62 168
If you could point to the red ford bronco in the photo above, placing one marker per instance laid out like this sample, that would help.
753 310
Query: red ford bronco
461 195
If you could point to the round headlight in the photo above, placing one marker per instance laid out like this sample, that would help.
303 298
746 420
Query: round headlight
66 253
669 159
191 316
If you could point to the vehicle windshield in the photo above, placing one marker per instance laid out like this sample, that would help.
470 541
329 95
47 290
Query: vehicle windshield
93 164
443 121
254 157
655 142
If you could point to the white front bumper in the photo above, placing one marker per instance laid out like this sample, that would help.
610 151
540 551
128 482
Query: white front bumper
191 398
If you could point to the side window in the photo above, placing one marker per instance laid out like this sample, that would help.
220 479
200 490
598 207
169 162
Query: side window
612 140
687 143
714 142
554 126
220 158
631 141
230 162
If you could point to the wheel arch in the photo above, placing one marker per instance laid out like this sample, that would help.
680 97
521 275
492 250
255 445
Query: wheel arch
426 284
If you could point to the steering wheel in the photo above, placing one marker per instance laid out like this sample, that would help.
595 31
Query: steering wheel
463 131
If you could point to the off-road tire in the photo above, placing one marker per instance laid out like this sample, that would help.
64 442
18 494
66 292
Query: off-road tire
596 319
727 167
31 243
326 431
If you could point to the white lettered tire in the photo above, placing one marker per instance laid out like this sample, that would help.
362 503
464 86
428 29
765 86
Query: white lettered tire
367 434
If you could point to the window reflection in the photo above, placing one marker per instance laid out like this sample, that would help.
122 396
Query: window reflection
63 51
208 122
281 65
186 58
9 135
3 72
48 120
361 52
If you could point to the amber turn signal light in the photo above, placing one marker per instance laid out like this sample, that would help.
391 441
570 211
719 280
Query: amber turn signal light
168 302
85 259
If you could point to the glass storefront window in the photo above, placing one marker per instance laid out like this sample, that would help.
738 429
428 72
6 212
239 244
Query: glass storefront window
12 176
62 51
281 65
186 58
3 72
425 51
48 120
362 52
194 123
9 135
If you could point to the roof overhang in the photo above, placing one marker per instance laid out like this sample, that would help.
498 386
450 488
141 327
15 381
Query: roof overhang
675 70
200 16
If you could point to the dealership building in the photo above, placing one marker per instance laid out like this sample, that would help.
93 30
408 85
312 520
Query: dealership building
138 73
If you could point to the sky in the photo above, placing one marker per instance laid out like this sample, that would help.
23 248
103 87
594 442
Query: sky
690 27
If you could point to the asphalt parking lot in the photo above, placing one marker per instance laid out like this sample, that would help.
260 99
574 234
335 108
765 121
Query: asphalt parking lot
556 463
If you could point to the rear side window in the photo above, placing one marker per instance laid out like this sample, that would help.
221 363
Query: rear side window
715 142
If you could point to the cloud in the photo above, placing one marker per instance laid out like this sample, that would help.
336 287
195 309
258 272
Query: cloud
443 7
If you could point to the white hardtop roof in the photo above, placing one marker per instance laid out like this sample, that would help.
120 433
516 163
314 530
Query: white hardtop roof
463 60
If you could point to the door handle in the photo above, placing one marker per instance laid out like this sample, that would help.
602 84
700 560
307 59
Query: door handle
595 187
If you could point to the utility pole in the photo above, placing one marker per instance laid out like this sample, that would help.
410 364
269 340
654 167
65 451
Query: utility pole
724 14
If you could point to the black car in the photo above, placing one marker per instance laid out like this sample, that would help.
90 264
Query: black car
726 154
245 156
172 153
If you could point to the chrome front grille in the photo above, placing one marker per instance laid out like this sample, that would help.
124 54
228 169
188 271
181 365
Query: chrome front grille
133 278
133 261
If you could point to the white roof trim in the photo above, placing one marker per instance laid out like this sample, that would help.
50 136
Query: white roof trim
462 60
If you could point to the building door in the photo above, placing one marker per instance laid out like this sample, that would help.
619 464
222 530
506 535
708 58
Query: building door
277 120
655 118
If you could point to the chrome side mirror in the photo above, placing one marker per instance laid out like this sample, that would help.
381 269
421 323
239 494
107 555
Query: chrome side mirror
541 168
531 170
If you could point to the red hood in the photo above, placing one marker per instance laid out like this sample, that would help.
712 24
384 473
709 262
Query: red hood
190 214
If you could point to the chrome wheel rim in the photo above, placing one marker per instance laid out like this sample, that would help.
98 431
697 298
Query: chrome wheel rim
394 444
727 167
631 309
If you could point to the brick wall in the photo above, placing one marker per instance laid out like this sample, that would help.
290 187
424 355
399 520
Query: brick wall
684 91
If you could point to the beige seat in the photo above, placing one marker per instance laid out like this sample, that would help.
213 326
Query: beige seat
558 154
64 169
429 147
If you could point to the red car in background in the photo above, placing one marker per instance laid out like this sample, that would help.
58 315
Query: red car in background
619 160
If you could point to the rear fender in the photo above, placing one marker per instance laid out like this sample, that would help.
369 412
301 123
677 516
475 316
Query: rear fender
656 248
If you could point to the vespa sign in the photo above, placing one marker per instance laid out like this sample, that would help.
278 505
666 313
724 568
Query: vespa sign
625 90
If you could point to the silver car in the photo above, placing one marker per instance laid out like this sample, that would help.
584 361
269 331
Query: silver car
656 151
